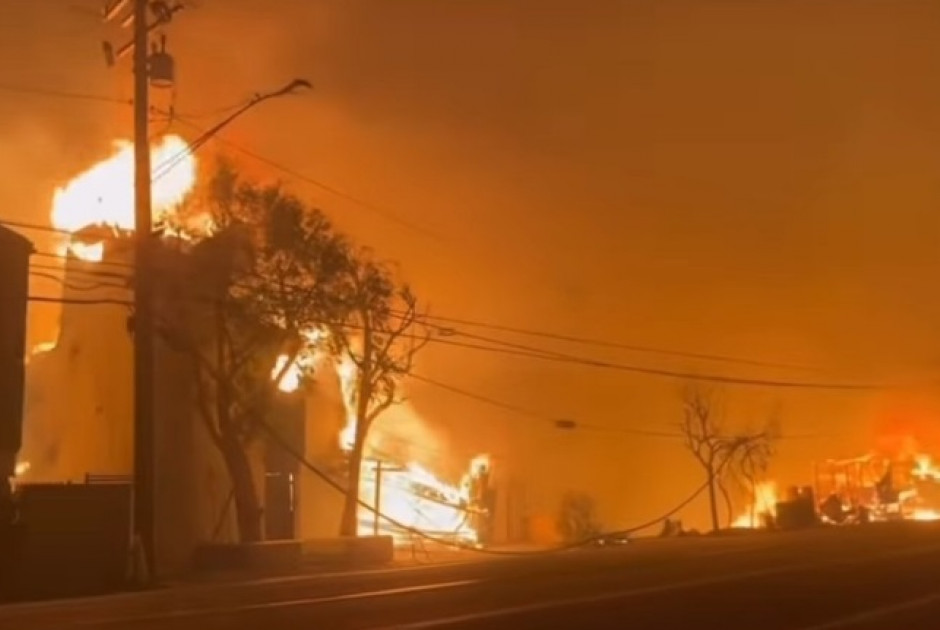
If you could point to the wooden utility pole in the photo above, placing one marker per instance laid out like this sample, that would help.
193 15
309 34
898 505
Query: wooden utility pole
378 498
143 313
144 455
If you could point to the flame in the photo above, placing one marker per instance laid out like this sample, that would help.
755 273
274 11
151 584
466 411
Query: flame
763 506
42 348
348 375
292 378
21 469
925 469
408 494
104 194
93 252
310 356
925 515
416 499
915 481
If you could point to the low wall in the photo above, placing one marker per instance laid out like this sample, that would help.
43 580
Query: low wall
263 556
361 551
285 555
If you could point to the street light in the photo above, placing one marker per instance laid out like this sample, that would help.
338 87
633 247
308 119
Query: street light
291 88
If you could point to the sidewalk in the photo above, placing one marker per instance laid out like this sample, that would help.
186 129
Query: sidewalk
406 557
195 587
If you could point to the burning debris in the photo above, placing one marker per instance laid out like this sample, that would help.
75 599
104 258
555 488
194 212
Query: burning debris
865 489
762 509
414 497
876 488
401 491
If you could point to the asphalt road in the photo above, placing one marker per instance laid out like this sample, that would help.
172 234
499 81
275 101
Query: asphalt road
876 577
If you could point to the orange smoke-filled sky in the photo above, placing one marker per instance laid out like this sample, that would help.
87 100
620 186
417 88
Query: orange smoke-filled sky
756 179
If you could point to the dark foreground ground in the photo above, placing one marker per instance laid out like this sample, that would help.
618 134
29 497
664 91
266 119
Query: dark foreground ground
876 577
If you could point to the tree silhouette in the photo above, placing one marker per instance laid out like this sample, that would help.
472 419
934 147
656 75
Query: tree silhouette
233 300
718 451
381 334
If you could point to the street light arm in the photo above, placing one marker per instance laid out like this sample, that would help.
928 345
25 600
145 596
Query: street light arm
290 88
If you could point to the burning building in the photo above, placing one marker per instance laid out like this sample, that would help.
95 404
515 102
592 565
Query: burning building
862 489
879 488
79 406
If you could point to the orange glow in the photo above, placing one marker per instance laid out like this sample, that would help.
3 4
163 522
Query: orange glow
925 469
348 373
92 253
104 194
925 515
416 498
42 348
409 494
21 468
763 505
914 481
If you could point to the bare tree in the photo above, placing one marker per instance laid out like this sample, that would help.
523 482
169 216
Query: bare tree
382 334
231 302
717 451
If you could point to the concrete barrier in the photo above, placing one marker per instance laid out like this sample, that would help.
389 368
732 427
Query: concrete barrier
262 556
358 551
274 556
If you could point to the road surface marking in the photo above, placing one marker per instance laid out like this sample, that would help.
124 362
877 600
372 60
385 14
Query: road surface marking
208 587
875 613
308 601
648 590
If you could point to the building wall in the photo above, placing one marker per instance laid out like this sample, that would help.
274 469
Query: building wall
79 419
191 486
79 401
320 505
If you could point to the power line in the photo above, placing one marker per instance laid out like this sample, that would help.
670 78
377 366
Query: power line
522 350
86 287
490 401
572 360
386 214
535 415
54 93
687 376
83 272
78 301
495 326
613 344
330 481
103 263
575 424
34 226
536 353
